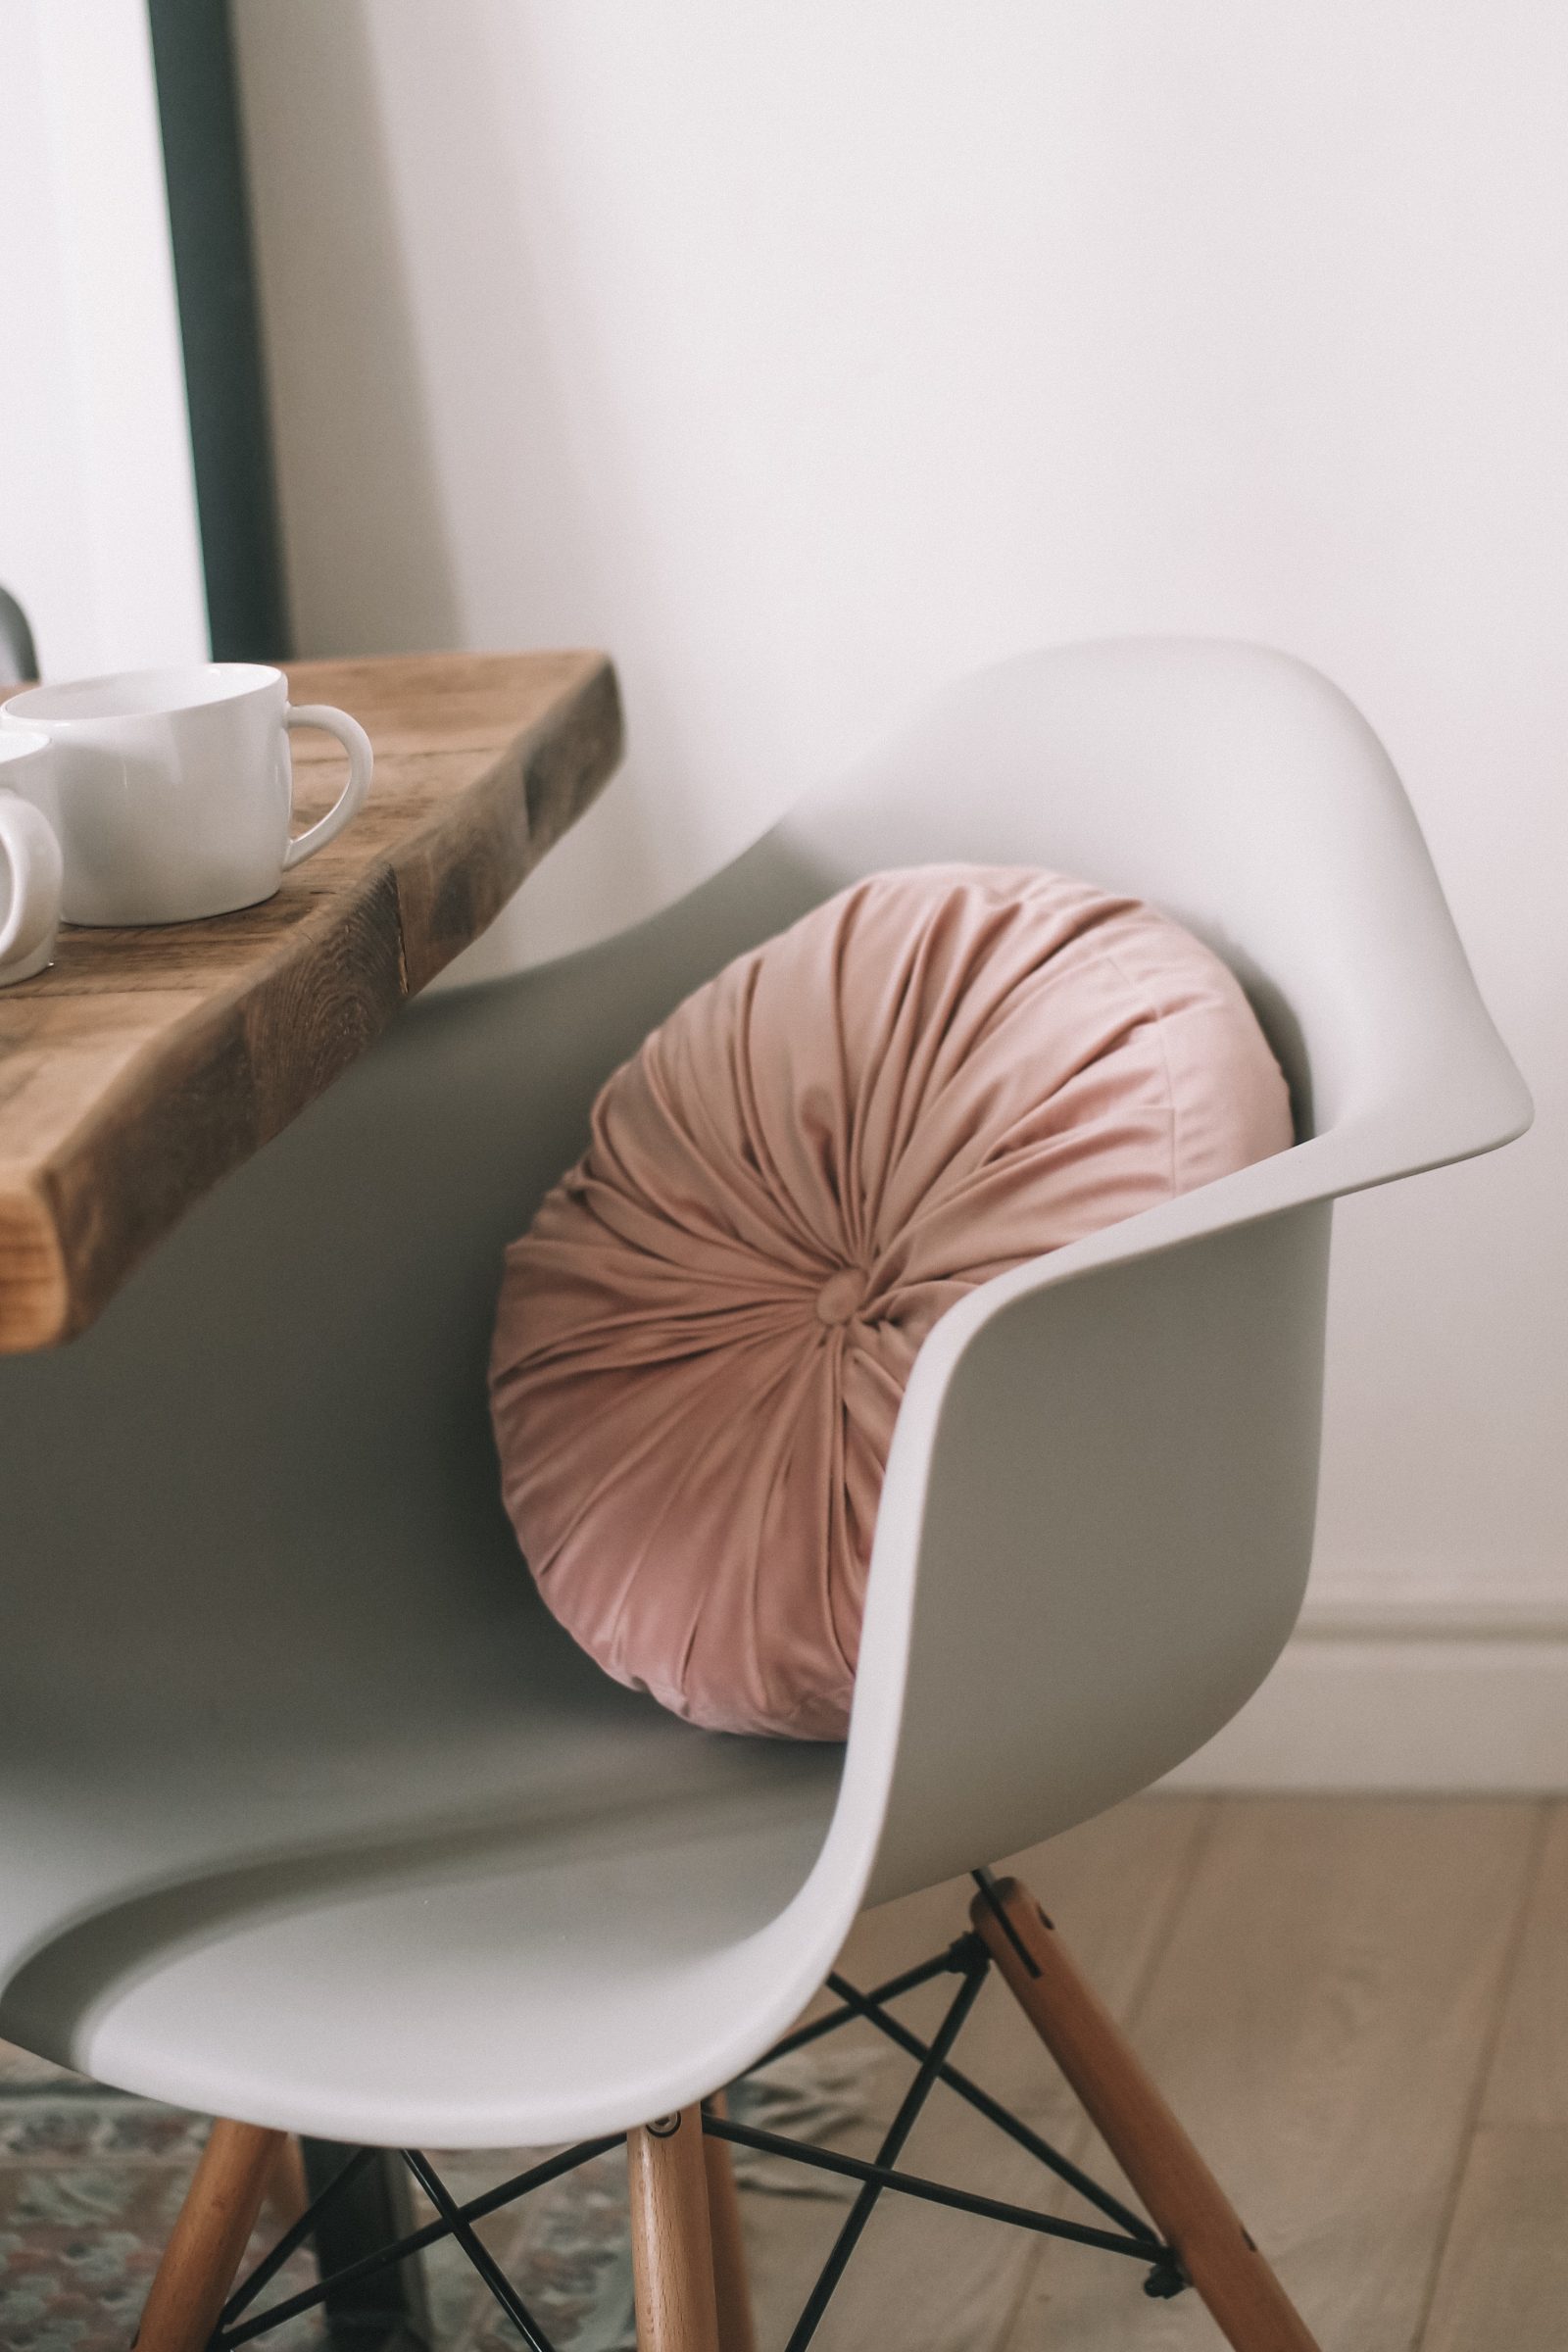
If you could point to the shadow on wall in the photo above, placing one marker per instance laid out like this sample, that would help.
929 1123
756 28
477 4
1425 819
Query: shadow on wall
386 311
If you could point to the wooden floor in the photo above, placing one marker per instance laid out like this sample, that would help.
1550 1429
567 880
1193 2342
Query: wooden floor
1359 2008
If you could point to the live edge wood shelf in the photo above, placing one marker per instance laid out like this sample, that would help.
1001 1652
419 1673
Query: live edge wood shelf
145 1064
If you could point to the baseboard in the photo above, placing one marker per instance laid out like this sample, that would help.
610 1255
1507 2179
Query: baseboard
1407 1688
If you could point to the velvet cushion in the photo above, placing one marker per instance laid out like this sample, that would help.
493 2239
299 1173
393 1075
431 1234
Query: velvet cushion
702 1339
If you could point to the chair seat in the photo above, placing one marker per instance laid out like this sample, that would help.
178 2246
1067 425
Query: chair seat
440 1913
308 1813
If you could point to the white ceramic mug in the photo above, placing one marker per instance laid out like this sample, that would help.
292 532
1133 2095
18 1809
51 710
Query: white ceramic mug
170 790
30 859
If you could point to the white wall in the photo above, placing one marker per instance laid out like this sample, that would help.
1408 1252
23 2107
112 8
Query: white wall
98 532
804 355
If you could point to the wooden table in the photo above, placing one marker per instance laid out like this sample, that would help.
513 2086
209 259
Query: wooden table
144 1064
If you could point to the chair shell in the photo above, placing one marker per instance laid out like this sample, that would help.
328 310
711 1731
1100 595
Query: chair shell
311 1816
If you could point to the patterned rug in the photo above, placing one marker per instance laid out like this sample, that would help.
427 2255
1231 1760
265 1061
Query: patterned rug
91 2180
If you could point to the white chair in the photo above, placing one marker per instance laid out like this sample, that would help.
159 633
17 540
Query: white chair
311 1819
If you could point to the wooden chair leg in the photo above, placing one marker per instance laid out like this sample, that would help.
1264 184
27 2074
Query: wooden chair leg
671 2247
287 2189
732 2290
209 2238
1184 2199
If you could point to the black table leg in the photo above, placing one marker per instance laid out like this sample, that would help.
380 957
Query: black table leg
388 2312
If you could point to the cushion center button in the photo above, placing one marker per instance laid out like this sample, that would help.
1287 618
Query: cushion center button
840 1295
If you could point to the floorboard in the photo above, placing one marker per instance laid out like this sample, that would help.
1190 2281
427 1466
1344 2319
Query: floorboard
1320 2020
1504 2274
1504 2278
1359 2006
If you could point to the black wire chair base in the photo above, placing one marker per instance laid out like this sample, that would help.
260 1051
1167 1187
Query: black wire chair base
452 2221
1131 2236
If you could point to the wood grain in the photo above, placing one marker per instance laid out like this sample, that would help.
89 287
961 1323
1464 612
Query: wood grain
732 2288
671 2249
1527 2081
1504 2274
1319 2021
1505 2277
146 1064
209 2236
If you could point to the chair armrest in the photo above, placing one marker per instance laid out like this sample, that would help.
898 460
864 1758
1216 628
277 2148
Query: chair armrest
1096 1529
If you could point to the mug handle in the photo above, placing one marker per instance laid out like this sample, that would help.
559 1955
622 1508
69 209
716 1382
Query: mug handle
355 741
33 856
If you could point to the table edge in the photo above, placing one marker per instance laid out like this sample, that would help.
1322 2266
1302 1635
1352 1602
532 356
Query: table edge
532 787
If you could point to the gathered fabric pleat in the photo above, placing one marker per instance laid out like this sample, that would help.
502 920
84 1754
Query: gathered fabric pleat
702 1340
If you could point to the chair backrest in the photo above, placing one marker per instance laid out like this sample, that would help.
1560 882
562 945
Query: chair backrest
1097 1513
1240 791
1097 1517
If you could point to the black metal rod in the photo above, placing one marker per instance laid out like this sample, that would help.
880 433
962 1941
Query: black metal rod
990 1886
478 2253
474 2209
292 2240
933 2192
942 1965
872 2009
896 2134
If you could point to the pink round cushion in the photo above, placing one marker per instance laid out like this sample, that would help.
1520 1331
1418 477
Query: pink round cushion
704 1337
